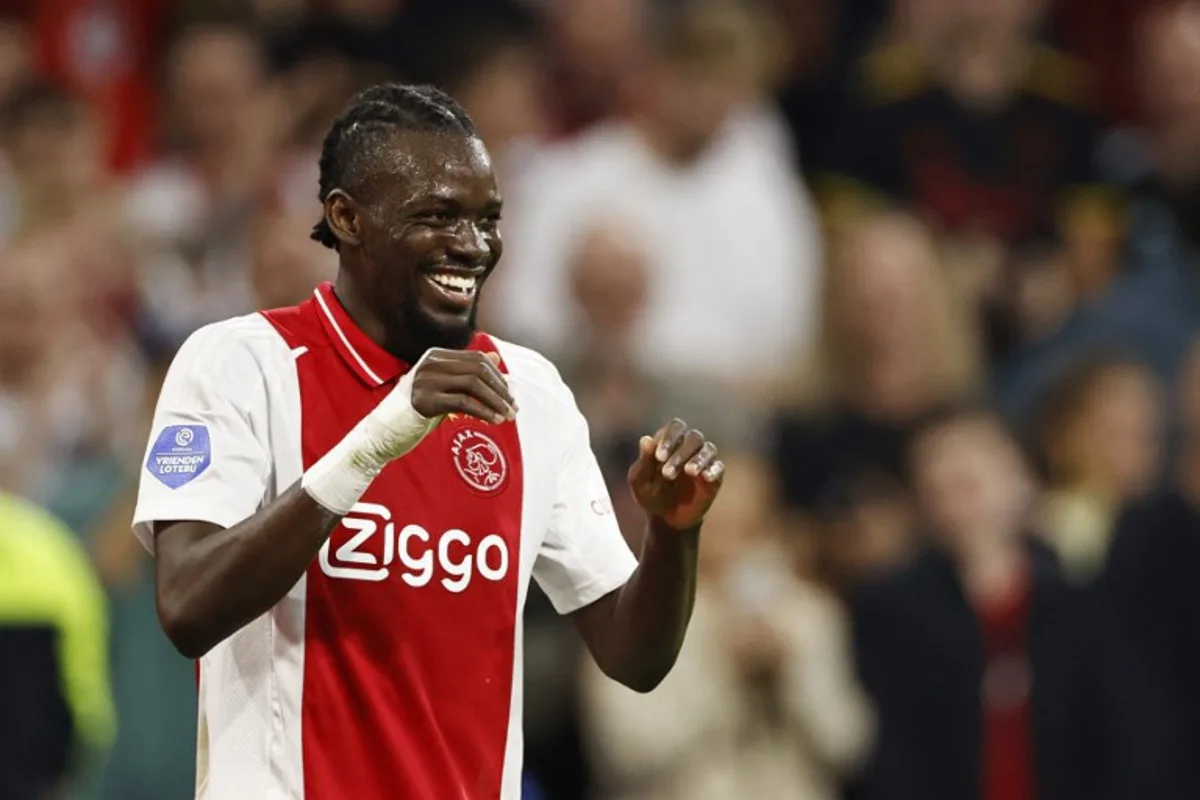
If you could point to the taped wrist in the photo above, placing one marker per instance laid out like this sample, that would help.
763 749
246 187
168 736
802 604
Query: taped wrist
340 477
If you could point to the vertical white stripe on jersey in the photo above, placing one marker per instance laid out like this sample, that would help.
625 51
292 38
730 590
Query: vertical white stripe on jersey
287 685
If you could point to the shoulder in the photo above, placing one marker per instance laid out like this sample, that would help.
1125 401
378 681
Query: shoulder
891 74
229 354
219 342
1059 79
903 589
535 373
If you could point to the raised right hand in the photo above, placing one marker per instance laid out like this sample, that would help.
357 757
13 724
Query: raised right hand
462 382
443 382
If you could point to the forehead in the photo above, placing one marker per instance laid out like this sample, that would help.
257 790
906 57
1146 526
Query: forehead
962 434
415 166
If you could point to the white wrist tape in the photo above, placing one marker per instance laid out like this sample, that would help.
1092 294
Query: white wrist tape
340 477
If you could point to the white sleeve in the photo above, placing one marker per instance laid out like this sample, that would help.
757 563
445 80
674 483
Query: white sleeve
204 460
584 556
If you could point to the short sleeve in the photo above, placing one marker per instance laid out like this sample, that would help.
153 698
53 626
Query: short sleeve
204 460
584 556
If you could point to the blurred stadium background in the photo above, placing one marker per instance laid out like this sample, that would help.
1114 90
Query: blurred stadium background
814 228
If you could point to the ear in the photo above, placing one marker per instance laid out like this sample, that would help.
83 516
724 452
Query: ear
344 217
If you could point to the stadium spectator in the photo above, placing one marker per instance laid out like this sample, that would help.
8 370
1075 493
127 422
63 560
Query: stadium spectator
595 47
969 651
191 210
1099 434
1129 554
70 377
894 346
763 702
989 137
56 713
106 51
1159 161
695 176
1152 309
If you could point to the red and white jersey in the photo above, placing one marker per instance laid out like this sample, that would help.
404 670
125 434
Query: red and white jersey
393 667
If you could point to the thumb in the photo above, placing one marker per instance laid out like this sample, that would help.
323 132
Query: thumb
494 358
646 448
645 465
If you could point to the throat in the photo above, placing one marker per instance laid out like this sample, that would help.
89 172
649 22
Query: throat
358 310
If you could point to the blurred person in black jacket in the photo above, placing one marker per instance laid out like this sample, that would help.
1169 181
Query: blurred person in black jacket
971 651
990 136
894 346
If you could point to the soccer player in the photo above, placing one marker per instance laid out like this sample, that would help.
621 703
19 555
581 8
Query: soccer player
346 499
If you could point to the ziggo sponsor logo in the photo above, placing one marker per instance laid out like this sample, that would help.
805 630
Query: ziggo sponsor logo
453 554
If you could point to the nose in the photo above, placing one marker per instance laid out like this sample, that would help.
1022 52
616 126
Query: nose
470 244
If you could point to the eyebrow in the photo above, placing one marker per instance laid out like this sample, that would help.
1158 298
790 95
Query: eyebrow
444 199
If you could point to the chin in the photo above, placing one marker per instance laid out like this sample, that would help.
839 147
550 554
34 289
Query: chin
413 331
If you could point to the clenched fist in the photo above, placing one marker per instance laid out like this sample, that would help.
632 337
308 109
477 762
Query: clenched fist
462 382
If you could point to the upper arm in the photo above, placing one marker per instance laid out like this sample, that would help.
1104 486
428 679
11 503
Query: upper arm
207 458
584 555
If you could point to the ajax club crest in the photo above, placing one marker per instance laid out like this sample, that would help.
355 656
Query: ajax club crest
479 461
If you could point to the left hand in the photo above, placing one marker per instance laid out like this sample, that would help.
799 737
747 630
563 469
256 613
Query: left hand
677 475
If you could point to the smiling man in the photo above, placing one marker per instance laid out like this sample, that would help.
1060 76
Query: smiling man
347 499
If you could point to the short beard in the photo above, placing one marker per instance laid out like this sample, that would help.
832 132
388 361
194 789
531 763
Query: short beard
410 331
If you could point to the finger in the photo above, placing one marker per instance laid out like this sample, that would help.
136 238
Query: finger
669 438
471 362
702 460
471 406
495 379
474 386
689 447
645 466
715 472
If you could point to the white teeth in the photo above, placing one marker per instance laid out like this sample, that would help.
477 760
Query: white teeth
455 283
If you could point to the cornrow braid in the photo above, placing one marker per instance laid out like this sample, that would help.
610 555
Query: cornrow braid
373 113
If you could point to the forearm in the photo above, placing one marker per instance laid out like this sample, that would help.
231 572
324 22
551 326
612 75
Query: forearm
219 580
647 618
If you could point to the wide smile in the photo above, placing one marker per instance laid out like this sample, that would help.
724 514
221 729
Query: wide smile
456 289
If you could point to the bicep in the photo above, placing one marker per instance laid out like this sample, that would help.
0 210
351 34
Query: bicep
175 545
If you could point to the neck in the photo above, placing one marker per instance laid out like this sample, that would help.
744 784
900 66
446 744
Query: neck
668 148
983 73
357 308
992 570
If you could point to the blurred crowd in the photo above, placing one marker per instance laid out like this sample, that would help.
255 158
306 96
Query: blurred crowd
925 269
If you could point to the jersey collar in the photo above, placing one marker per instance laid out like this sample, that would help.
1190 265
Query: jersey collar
371 363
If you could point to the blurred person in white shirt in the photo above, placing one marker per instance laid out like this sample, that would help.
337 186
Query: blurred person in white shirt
763 702
193 210
701 173
69 377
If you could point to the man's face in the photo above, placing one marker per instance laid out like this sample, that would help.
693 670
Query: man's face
970 481
215 76
429 237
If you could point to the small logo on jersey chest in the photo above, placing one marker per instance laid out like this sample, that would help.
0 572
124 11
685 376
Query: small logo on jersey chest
479 461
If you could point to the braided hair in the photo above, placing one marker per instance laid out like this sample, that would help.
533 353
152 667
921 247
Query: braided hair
373 114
